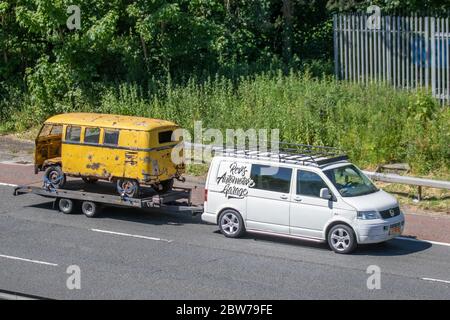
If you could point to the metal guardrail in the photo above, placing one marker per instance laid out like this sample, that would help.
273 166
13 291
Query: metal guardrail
419 182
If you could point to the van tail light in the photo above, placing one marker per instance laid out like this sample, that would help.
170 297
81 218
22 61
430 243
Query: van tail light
206 195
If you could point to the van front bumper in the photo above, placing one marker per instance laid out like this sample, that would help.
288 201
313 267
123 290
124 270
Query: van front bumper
375 231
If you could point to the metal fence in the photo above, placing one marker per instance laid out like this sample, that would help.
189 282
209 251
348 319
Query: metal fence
406 52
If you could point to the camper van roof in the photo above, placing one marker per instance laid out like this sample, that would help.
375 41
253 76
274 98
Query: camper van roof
110 121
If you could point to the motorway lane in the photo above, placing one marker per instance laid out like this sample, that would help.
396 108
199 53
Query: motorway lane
198 263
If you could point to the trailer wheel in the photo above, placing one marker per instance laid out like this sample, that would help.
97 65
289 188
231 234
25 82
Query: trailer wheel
90 209
66 205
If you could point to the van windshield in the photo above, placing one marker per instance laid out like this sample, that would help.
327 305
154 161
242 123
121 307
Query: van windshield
350 181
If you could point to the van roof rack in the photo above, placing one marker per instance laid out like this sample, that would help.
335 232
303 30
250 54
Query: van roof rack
288 153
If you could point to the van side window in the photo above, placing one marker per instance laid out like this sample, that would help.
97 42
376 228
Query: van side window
73 134
45 131
165 136
91 135
56 130
269 178
309 183
111 137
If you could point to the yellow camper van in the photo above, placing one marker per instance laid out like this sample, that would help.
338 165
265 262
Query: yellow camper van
129 151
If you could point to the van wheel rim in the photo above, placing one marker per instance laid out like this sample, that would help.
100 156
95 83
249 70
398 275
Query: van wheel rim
230 223
128 187
340 239
53 176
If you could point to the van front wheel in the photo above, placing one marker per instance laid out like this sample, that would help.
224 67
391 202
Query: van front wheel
341 239
55 177
231 224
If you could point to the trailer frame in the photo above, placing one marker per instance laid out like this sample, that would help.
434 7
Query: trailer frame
166 201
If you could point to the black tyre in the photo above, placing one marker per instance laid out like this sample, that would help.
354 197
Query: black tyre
66 206
231 224
128 188
166 186
89 180
55 177
90 209
341 239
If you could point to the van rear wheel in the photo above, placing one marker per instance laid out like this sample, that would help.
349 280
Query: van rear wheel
231 224
128 188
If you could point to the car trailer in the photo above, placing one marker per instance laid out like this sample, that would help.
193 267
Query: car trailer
66 200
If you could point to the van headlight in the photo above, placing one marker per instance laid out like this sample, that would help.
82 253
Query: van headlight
368 215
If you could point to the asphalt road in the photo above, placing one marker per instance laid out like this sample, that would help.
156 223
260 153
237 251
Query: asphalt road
175 256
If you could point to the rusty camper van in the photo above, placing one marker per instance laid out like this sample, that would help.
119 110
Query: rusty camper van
129 151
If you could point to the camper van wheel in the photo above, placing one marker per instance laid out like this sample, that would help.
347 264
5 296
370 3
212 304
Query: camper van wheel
128 188
90 209
165 186
65 205
89 180
55 176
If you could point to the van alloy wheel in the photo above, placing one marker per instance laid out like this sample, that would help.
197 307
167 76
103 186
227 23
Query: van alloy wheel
341 239
231 224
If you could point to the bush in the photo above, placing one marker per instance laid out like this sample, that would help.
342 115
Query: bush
374 124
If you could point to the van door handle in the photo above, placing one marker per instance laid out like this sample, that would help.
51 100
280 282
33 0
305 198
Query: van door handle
284 197
297 199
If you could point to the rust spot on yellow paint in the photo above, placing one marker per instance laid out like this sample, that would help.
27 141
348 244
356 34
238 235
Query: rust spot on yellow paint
93 166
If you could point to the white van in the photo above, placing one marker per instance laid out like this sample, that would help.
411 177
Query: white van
317 196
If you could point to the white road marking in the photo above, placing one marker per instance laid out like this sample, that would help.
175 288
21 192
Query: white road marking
8 184
131 235
435 280
29 260
428 241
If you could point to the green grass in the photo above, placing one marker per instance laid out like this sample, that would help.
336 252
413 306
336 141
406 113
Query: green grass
375 124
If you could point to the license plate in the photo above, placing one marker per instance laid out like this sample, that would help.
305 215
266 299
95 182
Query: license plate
395 230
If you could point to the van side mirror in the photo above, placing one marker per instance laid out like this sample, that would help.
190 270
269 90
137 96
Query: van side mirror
325 193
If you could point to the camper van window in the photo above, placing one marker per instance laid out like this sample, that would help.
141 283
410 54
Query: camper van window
56 130
111 137
45 131
92 135
165 136
73 134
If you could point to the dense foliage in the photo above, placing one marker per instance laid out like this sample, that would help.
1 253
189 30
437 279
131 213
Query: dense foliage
157 57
